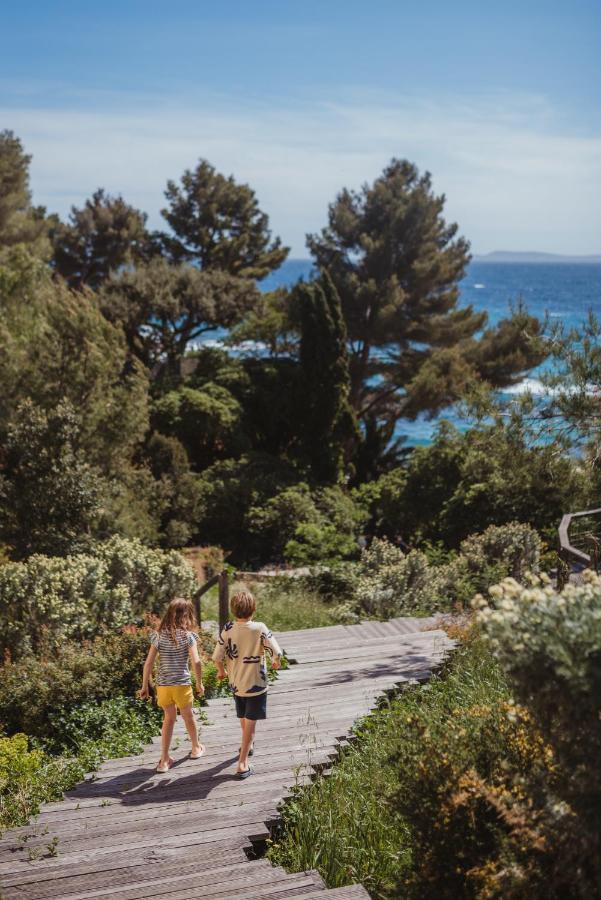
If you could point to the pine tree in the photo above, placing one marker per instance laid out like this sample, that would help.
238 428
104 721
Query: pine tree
20 222
102 237
396 265
328 426
217 225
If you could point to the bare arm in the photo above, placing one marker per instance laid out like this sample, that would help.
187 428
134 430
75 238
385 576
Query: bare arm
196 662
272 648
219 656
144 692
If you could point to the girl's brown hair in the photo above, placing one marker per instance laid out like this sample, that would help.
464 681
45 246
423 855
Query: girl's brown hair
179 615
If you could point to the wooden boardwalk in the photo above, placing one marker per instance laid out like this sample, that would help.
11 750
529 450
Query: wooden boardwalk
130 833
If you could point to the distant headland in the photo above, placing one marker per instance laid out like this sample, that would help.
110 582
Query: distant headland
515 256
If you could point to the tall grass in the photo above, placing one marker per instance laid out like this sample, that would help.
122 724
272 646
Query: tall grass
284 607
347 824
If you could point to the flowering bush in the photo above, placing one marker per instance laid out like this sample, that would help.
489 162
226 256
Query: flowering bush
393 583
50 599
549 644
514 548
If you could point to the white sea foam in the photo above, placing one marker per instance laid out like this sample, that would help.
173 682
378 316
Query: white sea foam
479 286
532 385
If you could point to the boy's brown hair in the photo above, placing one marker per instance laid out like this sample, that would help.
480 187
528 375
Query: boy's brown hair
179 614
243 605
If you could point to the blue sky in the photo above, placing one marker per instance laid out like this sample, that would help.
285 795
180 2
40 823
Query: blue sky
499 102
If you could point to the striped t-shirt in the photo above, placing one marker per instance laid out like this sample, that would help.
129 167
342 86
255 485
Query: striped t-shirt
173 657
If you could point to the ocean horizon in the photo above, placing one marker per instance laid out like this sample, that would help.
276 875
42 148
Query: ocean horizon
557 291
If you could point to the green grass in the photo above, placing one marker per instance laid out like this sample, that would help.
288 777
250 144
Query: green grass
347 824
282 607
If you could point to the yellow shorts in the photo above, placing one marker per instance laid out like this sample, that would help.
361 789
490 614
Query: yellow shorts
180 694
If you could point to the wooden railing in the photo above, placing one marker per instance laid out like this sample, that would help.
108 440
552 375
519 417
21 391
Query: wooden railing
222 579
224 597
580 538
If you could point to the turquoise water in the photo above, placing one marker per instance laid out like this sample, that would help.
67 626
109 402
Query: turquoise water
563 291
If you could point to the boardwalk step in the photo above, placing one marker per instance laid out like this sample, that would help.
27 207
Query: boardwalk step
128 834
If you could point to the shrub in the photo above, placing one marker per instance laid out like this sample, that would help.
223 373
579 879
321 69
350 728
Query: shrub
439 797
549 643
39 693
393 583
29 778
461 483
304 527
51 599
337 581
515 548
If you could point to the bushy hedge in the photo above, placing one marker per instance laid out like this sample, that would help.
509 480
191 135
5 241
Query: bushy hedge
394 583
51 599
549 644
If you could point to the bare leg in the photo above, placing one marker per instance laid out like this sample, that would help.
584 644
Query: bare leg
190 723
248 734
170 714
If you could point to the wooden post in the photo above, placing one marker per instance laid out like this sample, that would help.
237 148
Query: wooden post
196 601
224 600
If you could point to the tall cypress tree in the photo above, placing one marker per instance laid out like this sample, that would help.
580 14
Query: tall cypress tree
329 428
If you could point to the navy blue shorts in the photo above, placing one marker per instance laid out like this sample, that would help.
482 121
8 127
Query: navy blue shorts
251 707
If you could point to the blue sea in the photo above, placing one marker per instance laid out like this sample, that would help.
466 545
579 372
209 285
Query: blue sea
563 291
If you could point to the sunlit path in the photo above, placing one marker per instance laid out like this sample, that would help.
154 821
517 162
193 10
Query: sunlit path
130 833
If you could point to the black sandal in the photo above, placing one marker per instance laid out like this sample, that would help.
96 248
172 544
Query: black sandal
246 774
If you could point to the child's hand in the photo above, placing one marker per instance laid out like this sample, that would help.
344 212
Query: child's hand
276 662
144 693
200 689
221 673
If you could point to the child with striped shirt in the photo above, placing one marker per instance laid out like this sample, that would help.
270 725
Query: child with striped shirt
175 644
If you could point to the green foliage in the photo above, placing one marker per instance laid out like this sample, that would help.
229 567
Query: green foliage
56 345
20 223
206 421
175 489
228 490
514 547
102 237
271 323
396 265
328 429
49 599
286 604
39 691
393 583
549 644
49 495
349 825
217 224
115 727
92 732
29 777
163 307
303 526
461 483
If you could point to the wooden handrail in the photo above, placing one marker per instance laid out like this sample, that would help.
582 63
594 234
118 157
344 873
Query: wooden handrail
568 551
224 597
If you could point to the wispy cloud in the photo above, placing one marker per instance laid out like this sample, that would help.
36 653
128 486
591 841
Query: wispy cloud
515 176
